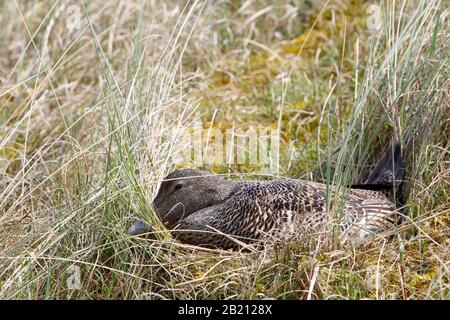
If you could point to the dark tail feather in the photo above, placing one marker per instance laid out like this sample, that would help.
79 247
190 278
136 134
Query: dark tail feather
389 168
387 174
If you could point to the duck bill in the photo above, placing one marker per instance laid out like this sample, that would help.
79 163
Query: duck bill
138 228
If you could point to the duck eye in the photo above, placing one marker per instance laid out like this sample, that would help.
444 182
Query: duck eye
178 186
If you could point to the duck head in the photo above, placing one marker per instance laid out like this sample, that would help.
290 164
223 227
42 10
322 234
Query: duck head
186 191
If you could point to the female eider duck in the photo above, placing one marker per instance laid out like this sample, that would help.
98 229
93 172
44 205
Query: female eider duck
205 210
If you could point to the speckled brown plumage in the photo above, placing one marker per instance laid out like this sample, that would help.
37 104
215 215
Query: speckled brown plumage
263 207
